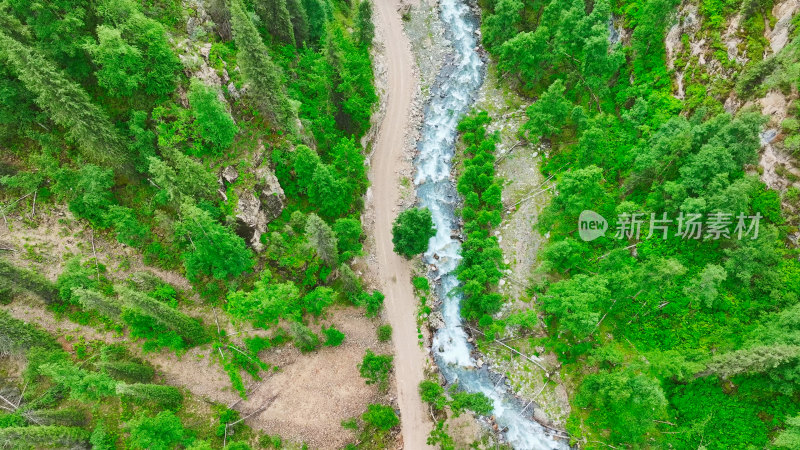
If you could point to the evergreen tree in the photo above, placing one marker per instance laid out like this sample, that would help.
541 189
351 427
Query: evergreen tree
365 29
212 250
265 85
121 65
327 193
323 239
65 101
299 21
319 13
275 15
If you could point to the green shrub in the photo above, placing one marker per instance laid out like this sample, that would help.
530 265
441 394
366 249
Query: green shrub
432 393
381 417
333 337
384 332
376 368
477 402
304 338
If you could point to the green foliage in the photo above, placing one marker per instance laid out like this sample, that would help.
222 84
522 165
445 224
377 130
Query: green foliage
165 397
333 337
482 260
629 401
381 417
158 316
17 337
275 15
161 432
83 385
212 122
365 29
371 302
411 231
348 238
44 436
304 339
27 280
375 369
476 402
266 303
432 393
102 438
65 101
322 238
384 333
212 250
266 87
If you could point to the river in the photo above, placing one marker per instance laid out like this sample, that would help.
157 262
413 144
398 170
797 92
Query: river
451 97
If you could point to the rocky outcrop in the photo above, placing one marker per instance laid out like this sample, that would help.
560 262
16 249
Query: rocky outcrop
257 206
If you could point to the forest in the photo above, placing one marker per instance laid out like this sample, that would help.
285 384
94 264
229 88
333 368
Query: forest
664 342
153 123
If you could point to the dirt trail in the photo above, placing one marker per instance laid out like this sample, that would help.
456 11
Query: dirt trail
394 271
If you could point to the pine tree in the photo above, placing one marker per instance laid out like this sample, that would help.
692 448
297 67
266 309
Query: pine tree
365 29
299 21
67 103
318 12
323 239
264 77
275 15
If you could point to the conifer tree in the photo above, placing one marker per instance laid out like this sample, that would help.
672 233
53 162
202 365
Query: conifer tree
299 21
65 101
266 87
365 29
275 15
322 238
318 12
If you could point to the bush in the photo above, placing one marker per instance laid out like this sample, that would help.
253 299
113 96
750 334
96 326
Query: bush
381 417
476 402
411 231
212 122
304 338
375 369
333 337
372 302
384 333
432 393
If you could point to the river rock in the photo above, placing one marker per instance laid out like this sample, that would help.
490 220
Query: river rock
436 321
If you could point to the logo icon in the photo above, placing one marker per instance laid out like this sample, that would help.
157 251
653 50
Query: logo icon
591 225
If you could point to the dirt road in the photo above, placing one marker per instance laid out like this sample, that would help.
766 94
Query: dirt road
394 271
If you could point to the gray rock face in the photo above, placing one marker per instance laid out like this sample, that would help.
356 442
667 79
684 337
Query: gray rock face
271 196
256 207
230 174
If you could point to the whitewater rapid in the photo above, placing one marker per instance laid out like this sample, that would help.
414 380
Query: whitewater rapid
451 97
